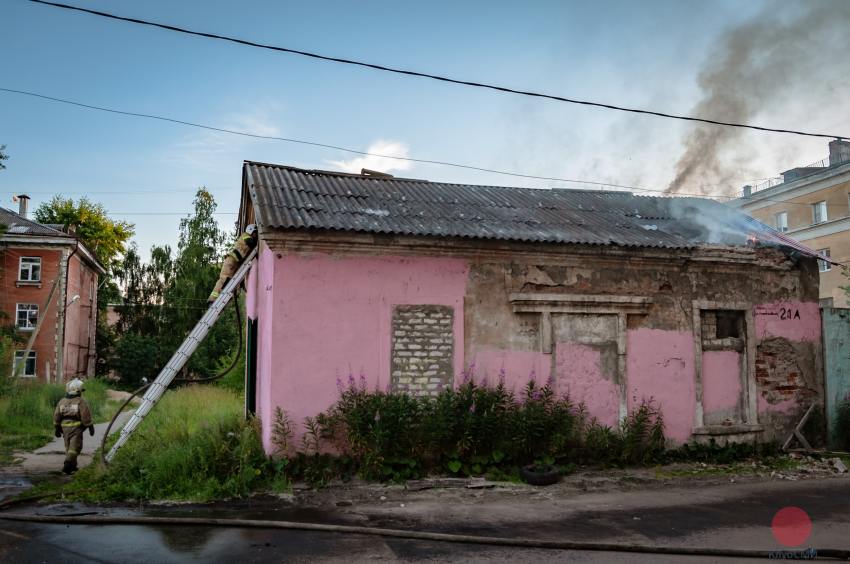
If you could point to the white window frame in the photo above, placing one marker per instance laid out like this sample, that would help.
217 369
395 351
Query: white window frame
824 266
26 264
19 357
816 208
781 221
30 321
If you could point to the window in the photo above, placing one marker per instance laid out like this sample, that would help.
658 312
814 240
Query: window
823 265
28 369
781 221
26 316
819 212
30 269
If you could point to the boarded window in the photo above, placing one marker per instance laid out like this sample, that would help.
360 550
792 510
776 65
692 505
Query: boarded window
422 348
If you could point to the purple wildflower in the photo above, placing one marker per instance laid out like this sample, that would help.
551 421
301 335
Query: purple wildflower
550 382
362 381
465 377
350 379
536 394
502 375
339 386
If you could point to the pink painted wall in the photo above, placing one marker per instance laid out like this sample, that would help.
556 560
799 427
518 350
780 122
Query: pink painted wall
721 380
660 364
795 321
785 407
515 367
579 375
331 316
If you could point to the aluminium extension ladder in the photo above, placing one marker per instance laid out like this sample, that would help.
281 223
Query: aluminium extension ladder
178 360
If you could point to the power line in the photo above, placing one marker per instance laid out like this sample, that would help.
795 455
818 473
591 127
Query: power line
440 78
116 192
366 153
316 144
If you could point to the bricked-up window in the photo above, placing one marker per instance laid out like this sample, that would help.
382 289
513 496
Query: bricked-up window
29 269
422 357
26 316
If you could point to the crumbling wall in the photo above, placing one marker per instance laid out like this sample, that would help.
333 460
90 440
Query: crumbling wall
696 384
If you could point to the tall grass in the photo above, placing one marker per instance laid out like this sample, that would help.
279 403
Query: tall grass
26 412
196 445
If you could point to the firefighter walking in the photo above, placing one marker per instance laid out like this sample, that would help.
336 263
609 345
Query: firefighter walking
241 249
71 417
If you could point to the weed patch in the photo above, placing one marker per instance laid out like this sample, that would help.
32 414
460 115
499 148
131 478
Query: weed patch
471 430
194 446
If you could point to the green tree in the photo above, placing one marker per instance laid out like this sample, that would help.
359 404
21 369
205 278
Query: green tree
3 156
165 297
104 236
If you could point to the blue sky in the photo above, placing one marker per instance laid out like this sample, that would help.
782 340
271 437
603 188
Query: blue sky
640 54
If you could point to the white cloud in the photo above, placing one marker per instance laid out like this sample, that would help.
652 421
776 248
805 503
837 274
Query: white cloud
210 150
379 163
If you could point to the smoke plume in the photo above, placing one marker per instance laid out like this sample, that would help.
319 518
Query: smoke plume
764 69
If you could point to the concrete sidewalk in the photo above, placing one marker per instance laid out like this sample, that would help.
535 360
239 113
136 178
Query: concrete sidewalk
50 457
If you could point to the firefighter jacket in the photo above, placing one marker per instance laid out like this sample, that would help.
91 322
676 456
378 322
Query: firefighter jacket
243 246
72 411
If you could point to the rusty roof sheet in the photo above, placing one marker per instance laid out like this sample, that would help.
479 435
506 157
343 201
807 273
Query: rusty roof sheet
291 198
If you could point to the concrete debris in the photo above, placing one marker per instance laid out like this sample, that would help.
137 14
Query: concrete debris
839 466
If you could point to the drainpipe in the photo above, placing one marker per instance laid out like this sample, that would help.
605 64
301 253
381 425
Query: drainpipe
60 360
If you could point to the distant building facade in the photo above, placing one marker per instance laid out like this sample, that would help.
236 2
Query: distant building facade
812 205
33 259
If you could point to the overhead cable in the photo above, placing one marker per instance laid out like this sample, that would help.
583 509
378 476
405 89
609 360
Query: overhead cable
419 74
367 153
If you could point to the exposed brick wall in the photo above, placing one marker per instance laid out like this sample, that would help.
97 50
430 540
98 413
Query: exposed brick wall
778 373
12 293
422 348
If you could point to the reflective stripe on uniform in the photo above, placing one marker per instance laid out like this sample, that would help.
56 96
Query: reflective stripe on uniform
237 255
70 423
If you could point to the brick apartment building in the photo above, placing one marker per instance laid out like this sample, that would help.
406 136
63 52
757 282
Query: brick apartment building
48 288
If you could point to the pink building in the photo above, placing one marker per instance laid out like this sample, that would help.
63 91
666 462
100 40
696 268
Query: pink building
48 288
616 298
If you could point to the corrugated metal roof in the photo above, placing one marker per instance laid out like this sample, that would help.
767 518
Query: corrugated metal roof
19 225
291 198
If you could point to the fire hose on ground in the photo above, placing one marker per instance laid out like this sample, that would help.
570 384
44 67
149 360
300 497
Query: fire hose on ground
528 543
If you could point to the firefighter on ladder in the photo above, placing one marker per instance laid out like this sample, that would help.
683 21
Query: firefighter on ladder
243 246
71 417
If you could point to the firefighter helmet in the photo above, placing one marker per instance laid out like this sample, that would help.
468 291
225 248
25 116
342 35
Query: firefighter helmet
74 387
251 230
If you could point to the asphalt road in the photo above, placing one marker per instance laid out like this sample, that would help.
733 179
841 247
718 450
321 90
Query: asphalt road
736 516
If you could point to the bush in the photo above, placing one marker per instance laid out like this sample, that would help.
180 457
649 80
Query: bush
196 445
475 429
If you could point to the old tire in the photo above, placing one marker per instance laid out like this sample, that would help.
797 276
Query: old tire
539 475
